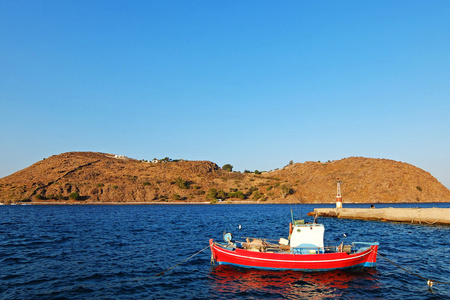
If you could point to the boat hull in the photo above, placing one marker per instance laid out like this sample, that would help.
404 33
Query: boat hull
290 261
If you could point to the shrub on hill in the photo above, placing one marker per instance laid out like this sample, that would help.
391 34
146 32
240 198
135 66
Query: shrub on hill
227 167
74 196
181 183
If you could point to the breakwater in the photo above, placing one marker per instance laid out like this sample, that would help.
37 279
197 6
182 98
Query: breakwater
432 216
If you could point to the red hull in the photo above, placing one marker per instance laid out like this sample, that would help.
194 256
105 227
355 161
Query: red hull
290 261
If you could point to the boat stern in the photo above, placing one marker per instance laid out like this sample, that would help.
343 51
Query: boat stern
211 247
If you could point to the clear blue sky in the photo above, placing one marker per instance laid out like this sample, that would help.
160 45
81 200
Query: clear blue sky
251 83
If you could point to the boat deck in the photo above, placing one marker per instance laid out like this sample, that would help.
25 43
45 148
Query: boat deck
260 245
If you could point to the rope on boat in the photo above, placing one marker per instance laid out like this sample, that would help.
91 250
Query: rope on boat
159 274
430 282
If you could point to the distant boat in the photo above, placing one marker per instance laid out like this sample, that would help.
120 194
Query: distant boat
304 250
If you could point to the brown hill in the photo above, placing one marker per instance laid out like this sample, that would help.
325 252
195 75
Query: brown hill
88 177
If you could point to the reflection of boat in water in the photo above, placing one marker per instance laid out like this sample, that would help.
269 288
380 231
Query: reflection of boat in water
304 250
291 284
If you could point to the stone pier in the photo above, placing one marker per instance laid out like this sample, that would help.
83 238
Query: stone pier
431 216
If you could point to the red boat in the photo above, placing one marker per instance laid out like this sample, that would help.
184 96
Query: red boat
304 250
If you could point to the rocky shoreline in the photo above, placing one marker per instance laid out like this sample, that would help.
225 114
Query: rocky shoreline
325 210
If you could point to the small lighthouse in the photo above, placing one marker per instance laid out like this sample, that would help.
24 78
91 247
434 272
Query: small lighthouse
339 196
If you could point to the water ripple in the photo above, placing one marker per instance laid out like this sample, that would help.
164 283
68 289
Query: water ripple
114 252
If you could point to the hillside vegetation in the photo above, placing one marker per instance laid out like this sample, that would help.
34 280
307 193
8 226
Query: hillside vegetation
89 177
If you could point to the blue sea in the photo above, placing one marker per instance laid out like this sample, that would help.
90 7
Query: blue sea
116 251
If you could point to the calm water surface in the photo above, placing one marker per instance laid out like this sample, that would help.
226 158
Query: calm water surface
114 252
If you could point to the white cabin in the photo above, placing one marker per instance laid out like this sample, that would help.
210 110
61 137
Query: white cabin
307 238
